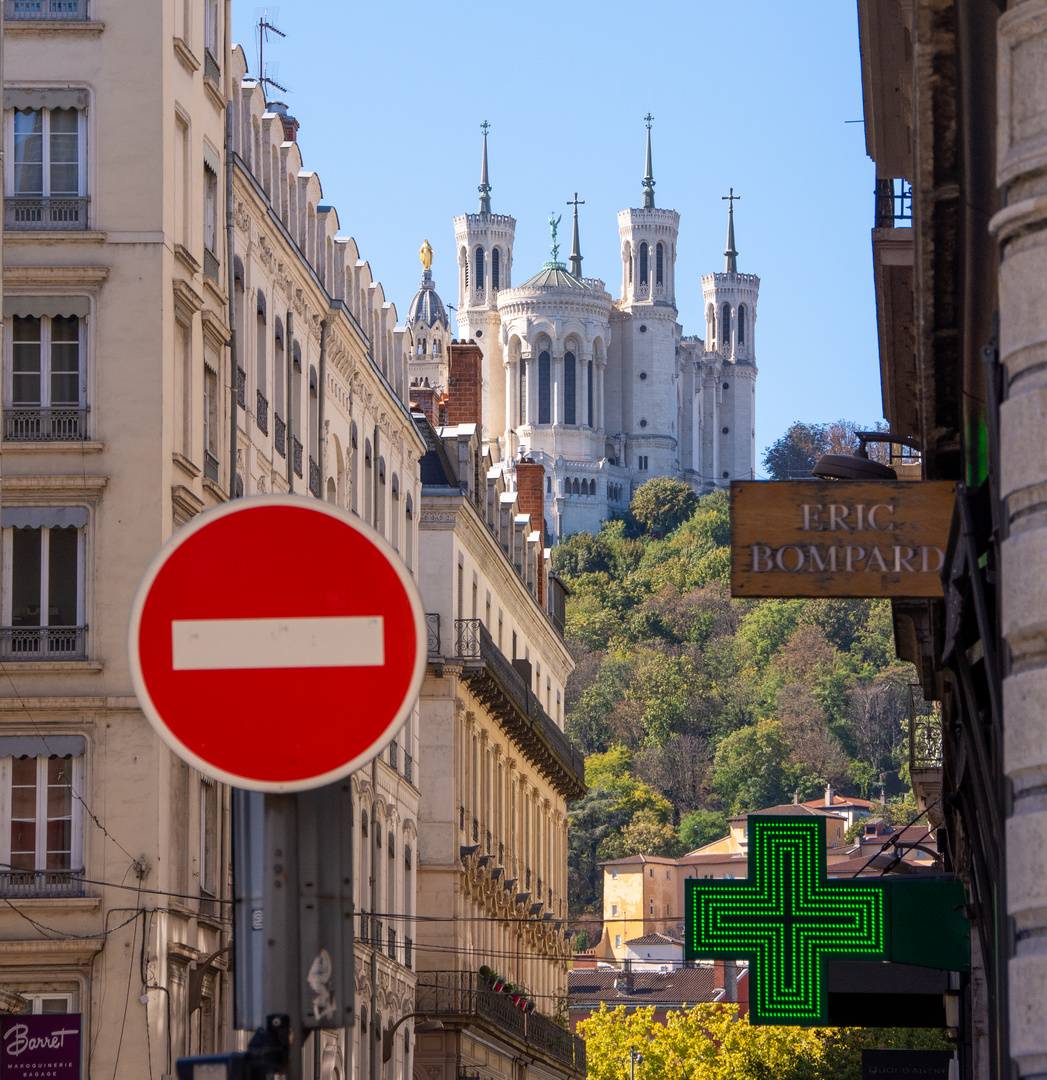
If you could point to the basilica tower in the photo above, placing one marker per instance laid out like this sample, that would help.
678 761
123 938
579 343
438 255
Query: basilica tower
642 367
485 259
725 404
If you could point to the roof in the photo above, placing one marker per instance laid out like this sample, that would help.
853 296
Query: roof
693 859
875 864
639 860
840 800
427 309
554 275
685 986
788 810
668 938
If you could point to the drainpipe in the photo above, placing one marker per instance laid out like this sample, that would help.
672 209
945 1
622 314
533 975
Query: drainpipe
374 1049
234 417
320 393
374 479
289 433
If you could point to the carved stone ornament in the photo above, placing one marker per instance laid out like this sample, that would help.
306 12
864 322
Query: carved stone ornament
265 253
243 219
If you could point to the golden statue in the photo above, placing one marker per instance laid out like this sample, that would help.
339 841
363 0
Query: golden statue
426 254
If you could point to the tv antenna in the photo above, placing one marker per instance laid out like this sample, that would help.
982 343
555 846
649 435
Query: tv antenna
264 29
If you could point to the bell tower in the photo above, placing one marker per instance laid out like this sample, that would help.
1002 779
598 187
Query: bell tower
484 243
643 336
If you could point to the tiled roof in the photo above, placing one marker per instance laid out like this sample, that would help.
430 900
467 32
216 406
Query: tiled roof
789 810
872 864
637 860
685 986
670 937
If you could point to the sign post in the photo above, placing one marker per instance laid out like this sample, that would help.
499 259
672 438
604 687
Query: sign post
277 644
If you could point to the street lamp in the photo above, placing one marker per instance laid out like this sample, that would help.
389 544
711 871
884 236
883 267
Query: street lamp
419 1029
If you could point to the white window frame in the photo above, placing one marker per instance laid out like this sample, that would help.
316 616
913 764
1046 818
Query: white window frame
211 230
45 569
76 853
209 846
45 363
36 1001
9 155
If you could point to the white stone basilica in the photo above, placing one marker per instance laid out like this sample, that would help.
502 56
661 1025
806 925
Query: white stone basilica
604 393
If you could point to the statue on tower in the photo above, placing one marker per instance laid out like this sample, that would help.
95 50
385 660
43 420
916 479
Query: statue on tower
553 223
425 252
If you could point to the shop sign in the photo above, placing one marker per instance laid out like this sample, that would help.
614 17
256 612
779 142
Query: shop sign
40 1046
875 538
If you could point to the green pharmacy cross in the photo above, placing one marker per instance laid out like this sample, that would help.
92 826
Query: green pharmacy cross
787 920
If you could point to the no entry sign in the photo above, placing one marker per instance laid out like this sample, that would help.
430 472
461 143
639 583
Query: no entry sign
276 643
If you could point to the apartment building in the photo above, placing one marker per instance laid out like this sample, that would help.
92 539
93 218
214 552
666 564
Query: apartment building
135 396
499 769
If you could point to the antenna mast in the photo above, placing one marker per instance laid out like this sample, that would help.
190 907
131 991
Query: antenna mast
264 26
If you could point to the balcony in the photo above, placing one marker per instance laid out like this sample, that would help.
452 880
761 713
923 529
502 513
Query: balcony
45 10
210 466
45 214
394 756
16 883
296 450
925 756
45 424
432 632
408 773
408 952
314 476
464 996
211 269
501 688
391 944
261 413
280 434
43 642
211 68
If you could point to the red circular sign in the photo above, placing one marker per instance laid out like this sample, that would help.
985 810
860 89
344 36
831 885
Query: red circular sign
277 643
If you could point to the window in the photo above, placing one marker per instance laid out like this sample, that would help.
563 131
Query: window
570 369
496 265
614 909
479 270
46 393
43 616
652 907
46 176
643 263
617 941
651 872
668 875
741 325
211 221
614 875
212 41
543 388
659 263
41 844
725 326
210 423
209 833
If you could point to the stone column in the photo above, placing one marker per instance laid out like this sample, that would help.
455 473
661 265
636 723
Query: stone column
527 406
581 402
601 366
1021 229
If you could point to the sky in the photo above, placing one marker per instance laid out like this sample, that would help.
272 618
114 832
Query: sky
750 94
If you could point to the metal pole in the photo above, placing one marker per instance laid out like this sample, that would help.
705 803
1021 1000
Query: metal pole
322 378
374 1030
234 417
289 431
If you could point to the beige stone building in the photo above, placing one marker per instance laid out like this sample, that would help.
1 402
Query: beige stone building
499 769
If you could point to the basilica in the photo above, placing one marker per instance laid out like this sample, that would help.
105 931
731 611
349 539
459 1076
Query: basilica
603 393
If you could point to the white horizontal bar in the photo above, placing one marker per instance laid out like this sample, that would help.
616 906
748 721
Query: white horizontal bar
227 644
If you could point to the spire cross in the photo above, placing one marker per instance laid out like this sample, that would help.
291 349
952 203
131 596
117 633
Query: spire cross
485 127
730 199
648 118
576 202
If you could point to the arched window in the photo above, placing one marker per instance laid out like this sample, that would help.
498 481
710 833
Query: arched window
592 487
574 486
643 263
725 326
496 266
279 381
409 533
741 325
570 369
478 267
543 388
659 263
261 348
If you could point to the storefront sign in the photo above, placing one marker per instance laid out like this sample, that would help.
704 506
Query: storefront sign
40 1046
876 538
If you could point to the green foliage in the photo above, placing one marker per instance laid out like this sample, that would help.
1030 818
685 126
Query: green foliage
749 769
661 504
701 827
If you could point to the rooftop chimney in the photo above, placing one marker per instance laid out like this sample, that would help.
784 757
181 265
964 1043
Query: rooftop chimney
530 484
424 399
828 794
289 122
465 384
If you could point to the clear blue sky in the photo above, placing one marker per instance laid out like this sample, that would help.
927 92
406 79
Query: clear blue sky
753 95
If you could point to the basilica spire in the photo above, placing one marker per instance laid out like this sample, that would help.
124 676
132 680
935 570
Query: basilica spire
730 255
648 179
576 248
485 187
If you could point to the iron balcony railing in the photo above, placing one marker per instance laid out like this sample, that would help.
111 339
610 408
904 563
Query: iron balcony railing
261 414
391 944
296 449
37 424
393 755
40 213
925 733
893 204
408 769
14 883
211 68
210 466
473 640
376 934
465 994
241 387
45 10
432 632
314 476
408 952
42 642
212 267
280 434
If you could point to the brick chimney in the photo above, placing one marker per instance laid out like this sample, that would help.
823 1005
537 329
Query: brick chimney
465 384
424 399
530 493
289 122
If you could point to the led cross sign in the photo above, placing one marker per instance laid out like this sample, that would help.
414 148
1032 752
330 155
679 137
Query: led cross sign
787 920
